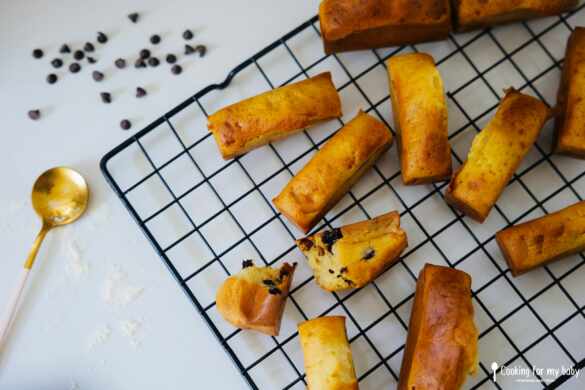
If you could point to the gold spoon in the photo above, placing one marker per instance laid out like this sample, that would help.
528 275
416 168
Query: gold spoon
59 197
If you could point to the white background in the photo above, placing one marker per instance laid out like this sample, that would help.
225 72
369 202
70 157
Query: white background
49 345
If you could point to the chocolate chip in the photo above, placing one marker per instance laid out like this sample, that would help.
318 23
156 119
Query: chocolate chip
88 47
101 37
171 58
140 92
176 69
140 63
57 63
91 60
268 282
187 34
97 75
343 270
155 39
368 254
64 49
52 78
37 53
74 67
331 271
106 97
247 263
201 49
125 124
120 63
153 61
34 114
274 291
144 53
189 49
78 55
133 17
306 244
329 237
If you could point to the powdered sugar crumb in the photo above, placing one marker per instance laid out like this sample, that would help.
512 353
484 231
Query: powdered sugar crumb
118 291
130 329
75 267
100 336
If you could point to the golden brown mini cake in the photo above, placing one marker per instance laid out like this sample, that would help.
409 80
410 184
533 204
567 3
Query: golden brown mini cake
333 170
328 359
538 242
420 118
273 115
496 153
570 123
354 255
366 24
255 297
484 13
441 347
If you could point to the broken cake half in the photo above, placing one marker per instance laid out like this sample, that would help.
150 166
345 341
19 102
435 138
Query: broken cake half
353 255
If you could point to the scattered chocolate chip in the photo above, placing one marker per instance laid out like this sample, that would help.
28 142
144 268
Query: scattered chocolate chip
125 124
189 49
368 254
305 244
171 58
153 61
140 92
120 63
274 291
74 67
187 34
37 53
64 49
320 251
349 282
52 78
201 49
155 39
34 114
106 97
88 47
329 237
331 271
133 17
97 75
91 60
268 282
247 263
57 63
144 53
78 55
140 63
176 69
343 270
101 37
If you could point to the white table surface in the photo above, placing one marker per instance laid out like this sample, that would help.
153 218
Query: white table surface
49 347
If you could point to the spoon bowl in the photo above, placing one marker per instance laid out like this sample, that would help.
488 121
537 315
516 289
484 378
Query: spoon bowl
60 196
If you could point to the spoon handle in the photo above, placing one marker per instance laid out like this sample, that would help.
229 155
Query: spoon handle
12 306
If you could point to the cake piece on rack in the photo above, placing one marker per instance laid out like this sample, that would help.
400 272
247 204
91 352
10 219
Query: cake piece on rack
496 153
274 115
353 255
441 347
255 297
333 170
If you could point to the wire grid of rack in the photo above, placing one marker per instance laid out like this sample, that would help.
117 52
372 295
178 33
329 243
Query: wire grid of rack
204 215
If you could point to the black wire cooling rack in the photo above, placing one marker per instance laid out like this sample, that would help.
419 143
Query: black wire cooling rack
204 215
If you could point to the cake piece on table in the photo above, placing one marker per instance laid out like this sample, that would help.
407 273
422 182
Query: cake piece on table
352 256
328 357
255 297
570 121
333 170
366 24
441 346
496 153
420 118
538 242
274 115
